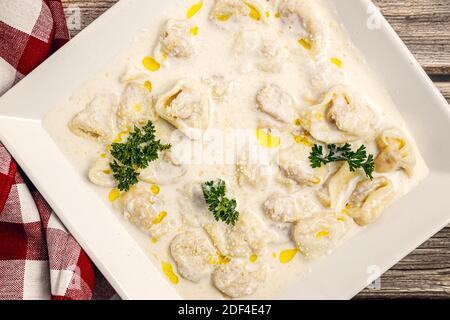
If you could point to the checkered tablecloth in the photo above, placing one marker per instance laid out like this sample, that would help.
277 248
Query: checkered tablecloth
39 259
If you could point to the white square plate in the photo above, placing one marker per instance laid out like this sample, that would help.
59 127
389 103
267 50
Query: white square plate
407 224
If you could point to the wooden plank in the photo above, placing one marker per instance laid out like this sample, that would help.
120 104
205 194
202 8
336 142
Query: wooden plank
424 25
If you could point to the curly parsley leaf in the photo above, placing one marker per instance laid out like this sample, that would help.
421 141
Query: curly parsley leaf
136 153
355 159
223 208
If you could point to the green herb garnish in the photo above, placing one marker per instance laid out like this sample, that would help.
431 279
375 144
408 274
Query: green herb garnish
219 205
135 154
355 159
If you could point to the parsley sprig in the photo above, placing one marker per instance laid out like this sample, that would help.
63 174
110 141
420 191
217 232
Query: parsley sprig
219 205
355 159
135 154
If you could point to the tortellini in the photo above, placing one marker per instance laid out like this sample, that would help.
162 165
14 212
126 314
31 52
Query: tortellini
331 194
192 252
261 51
369 199
341 117
282 208
236 279
395 153
319 234
136 106
297 18
143 209
100 173
249 236
295 166
97 121
175 41
187 107
276 107
163 171
252 173
230 13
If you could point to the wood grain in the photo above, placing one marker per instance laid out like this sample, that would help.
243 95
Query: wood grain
424 25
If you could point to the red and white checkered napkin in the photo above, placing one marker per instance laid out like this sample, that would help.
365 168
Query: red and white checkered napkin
39 259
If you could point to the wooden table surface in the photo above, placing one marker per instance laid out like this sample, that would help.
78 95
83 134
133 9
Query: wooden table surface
424 25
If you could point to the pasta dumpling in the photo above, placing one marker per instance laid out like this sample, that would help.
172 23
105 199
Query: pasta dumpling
175 40
282 208
276 107
136 106
236 279
369 199
187 107
163 171
261 51
249 236
141 208
295 165
296 17
192 252
341 117
319 234
330 195
229 13
97 120
396 153
100 173
251 173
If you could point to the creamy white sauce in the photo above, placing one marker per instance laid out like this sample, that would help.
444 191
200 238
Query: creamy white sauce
215 56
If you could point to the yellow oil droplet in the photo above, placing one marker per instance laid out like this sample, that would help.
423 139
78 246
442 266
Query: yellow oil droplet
107 171
267 140
253 258
223 259
155 189
170 274
286 256
224 17
103 155
108 148
192 11
274 255
151 64
303 139
277 15
305 43
322 234
137 108
194 31
114 194
161 216
154 240
298 122
267 14
148 85
337 62
254 13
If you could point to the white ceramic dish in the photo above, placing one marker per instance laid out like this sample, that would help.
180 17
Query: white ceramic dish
406 224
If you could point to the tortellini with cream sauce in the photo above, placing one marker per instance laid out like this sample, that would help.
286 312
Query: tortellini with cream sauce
175 41
135 107
236 279
369 199
276 107
192 251
395 153
97 121
341 117
187 107
319 234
